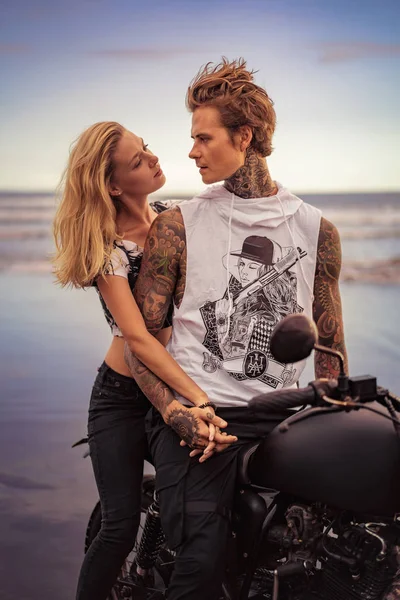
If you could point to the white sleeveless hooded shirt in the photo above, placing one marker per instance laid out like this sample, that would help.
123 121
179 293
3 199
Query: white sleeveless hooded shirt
250 262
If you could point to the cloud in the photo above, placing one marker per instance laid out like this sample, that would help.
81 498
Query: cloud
14 49
343 52
149 53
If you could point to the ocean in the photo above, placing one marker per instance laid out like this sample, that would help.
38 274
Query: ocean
53 340
369 225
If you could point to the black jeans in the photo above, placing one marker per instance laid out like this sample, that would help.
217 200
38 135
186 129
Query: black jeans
118 446
196 499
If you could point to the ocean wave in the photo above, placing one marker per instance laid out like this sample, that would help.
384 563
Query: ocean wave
13 229
17 206
343 215
362 216
24 234
26 266
379 272
32 215
16 202
369 234
384 271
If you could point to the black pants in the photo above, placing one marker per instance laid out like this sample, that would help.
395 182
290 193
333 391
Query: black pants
196 500
117 448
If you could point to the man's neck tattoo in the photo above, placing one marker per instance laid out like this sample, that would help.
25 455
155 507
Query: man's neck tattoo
253 179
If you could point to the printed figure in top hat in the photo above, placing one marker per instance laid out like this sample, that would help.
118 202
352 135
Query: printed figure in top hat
262 290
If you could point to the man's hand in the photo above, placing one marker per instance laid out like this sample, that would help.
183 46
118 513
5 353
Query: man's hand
195 426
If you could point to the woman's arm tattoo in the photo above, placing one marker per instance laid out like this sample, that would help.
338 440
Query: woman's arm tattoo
181 419
152 387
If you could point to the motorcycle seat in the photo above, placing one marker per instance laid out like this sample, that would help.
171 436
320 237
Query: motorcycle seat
244 457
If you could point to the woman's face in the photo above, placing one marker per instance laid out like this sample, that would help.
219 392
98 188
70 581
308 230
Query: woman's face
248 270
137 171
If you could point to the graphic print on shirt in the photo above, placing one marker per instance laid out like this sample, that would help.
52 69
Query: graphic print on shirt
262 290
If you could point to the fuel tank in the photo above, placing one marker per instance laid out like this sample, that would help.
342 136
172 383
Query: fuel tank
348 460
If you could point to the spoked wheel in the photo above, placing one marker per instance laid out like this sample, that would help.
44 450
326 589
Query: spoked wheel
130 585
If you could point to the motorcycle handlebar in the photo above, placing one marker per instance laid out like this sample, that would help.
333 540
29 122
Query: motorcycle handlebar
295 397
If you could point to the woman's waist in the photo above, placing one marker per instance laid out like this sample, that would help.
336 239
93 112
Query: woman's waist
115 357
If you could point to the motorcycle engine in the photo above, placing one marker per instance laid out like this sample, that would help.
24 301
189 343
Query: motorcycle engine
344 559
294 536
359 561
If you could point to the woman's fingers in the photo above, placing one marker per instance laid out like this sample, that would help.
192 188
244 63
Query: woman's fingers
217 448
221 437
211 428
205 457
195 452
220 447
211 444
209 448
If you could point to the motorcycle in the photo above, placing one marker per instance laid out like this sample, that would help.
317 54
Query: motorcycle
320 518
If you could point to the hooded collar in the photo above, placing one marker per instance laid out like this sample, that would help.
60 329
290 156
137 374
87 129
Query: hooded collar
270 211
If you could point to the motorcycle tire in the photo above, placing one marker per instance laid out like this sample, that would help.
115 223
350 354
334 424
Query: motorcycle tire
129 586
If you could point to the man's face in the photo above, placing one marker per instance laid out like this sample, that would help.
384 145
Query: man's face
215 154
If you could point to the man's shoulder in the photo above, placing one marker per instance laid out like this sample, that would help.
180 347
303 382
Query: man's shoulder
329 250
168 230
181 209
171 215
307 207
328 229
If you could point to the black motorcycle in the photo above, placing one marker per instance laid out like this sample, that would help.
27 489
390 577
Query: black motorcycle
318 520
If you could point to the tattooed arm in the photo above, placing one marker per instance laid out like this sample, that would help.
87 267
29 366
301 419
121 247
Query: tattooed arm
327 308
162 279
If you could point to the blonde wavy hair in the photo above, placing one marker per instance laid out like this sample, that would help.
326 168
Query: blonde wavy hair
84 226
229 86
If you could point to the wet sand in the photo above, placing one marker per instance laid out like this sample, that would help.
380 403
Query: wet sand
51 344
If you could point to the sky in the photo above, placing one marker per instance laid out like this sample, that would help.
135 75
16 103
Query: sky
331 67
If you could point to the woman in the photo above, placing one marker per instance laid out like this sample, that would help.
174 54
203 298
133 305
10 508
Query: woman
100 229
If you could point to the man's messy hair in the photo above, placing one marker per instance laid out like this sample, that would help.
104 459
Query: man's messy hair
229 86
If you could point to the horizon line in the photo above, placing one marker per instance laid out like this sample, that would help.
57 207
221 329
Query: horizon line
32 192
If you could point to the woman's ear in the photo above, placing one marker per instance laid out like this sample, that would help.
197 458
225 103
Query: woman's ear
114 190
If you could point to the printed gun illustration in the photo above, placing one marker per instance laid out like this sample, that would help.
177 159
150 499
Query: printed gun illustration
278 268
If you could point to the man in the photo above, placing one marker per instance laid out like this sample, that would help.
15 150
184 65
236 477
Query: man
226 302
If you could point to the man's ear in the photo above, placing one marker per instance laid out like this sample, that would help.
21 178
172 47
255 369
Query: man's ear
246 135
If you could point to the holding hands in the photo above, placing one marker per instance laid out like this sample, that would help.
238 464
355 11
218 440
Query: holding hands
199 428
